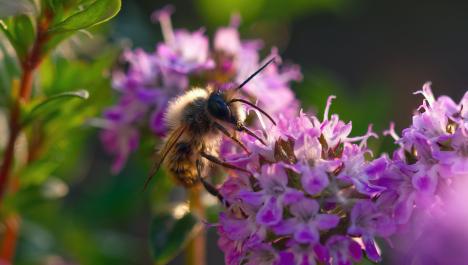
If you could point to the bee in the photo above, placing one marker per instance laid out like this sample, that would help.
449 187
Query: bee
197 120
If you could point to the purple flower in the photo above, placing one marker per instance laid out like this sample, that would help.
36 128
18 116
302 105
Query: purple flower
263 254
455 158
439 237
304 255
343 250
186 53
314 179
274 194
228 40
431 157
308 172
306 222
368 221
120 141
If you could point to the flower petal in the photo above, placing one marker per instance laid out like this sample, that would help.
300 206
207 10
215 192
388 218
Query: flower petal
306 234
271 212
326 221
371 249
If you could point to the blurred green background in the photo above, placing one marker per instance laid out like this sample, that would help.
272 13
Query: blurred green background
371 54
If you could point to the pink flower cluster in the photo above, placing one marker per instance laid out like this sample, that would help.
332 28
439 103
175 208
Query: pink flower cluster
317 195
311 194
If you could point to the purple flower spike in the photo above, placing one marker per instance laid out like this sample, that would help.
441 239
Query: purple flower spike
431 158
312 183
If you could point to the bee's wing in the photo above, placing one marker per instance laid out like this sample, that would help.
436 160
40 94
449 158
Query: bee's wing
170 143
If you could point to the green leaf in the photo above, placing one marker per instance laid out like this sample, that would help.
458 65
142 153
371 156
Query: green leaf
10 8
24 34
37 172
20 32
9 69
366 261
169 235
82 94
98 12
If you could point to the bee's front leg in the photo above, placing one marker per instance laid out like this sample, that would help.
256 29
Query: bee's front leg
208 186
232 137
222 163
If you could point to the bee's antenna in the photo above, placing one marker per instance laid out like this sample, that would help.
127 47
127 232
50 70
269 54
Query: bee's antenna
256 73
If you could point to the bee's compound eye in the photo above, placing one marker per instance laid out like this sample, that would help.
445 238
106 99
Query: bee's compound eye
218 107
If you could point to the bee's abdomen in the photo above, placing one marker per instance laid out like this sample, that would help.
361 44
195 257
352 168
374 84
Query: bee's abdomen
182 164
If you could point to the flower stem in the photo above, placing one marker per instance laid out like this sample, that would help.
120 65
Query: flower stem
29 65
7 251
196 249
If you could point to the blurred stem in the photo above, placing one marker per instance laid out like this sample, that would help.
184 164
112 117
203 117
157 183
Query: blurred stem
21 96
196 249
11 224
29 65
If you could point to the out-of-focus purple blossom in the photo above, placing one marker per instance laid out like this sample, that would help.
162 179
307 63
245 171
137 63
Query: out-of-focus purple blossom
420 183
154 78
431 158
437 237
187 53
312 194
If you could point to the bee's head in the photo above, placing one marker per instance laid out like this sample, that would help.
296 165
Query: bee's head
219 107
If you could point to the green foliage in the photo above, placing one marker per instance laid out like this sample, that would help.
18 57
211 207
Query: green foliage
53 120
94 14
219 12
82 16
43 105
9 68
169 235
20 32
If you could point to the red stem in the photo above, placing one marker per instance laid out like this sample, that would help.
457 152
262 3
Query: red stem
12 224
28 64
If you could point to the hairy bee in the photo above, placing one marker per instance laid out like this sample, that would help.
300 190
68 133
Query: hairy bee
197 120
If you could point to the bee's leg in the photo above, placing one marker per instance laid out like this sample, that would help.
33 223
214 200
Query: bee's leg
208 186
241 127
222 163
232 137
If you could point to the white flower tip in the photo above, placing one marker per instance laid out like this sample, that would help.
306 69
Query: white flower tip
371 133
163 13
327 107
391 132
427 93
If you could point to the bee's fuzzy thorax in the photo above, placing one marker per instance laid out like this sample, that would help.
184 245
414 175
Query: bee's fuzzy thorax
176 107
